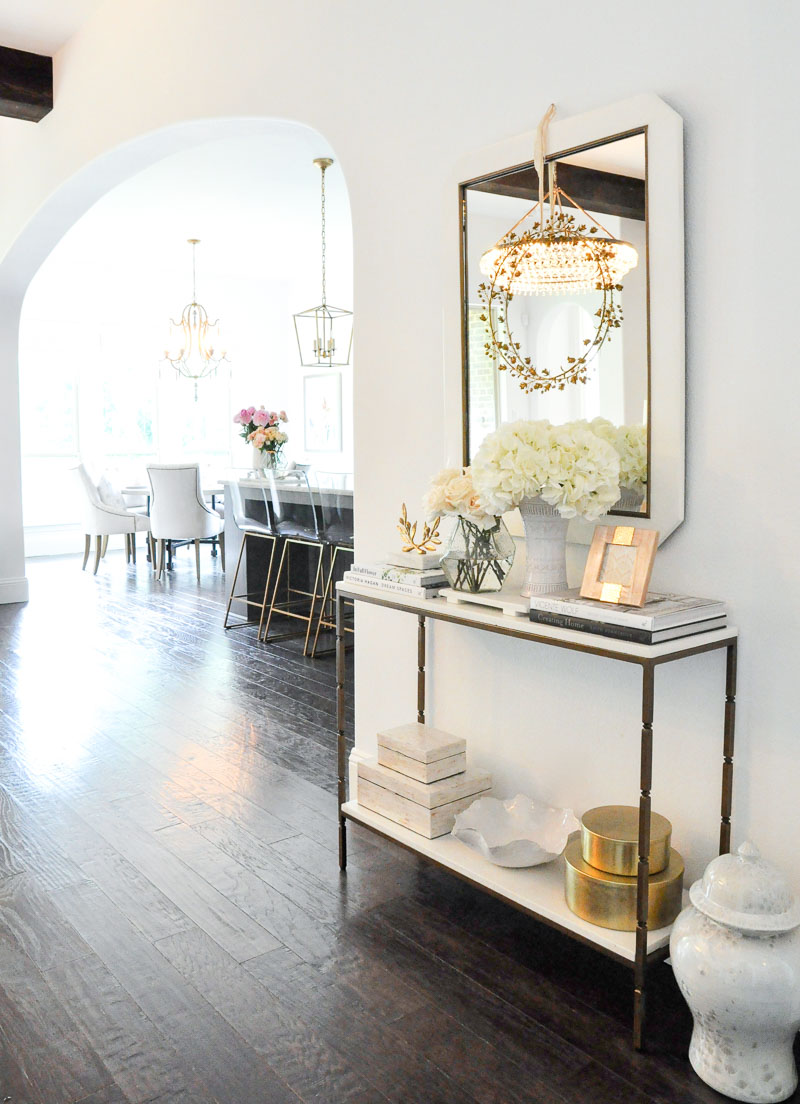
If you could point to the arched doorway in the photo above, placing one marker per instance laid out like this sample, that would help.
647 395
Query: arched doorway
114 279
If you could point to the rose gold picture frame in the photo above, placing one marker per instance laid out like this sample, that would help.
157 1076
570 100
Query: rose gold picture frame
619 564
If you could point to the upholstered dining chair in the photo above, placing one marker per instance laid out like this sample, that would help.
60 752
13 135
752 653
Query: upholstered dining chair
103 520
179 513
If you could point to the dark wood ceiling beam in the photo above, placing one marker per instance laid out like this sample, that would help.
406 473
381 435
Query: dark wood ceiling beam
26 84
602 192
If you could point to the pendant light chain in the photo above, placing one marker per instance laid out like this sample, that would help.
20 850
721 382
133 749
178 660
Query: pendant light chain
321 346
323 167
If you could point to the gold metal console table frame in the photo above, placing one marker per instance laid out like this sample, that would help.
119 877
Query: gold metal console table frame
647 657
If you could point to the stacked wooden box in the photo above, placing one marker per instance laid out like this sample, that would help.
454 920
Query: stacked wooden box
420 779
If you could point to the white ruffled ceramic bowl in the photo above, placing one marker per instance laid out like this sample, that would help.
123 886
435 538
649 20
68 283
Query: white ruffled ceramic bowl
516 832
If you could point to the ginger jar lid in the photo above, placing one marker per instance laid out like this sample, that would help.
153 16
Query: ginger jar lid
746 892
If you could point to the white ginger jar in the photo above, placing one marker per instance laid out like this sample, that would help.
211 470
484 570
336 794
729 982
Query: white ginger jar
736 956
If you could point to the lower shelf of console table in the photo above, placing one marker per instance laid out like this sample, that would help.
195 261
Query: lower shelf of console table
538 890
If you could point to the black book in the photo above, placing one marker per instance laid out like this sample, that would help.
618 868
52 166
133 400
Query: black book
625 632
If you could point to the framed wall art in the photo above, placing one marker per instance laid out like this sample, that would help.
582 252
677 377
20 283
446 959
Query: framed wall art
322 412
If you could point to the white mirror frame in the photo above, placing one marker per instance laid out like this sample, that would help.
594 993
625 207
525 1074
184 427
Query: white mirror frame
665 287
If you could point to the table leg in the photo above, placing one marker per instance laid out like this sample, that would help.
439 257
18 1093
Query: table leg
340 727
214 539
727 750
421 668
643 868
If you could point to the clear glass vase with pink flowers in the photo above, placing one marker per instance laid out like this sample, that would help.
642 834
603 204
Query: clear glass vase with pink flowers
261 429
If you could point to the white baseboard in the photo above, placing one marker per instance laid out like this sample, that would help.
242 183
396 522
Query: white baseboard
13 590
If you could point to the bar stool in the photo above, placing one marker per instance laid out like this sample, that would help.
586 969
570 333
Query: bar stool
297 520
336 501
252 529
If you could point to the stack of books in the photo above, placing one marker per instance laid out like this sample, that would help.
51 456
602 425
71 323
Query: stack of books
663 616
411 581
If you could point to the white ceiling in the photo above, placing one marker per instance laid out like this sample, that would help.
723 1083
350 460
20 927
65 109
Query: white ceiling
42 26
254 203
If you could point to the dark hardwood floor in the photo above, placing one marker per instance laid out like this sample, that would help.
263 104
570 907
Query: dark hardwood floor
173 923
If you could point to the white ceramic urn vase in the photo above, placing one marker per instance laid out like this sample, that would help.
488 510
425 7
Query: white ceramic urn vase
545 547
735 952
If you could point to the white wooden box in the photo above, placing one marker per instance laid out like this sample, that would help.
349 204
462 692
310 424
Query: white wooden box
423 772
427 808
422 742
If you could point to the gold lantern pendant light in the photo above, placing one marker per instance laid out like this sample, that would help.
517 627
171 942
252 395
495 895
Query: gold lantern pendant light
197 356
555 256
324 333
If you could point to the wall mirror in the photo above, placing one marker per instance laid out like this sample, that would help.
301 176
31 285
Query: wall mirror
621 169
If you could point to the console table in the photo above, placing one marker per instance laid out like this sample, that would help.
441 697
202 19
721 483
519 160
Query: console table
539 891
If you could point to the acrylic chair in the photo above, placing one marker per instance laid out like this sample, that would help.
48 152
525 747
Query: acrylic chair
297 520
178 512
336 503
104 520
252 529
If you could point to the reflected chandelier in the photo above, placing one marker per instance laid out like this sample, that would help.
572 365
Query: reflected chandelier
320 328
556 256
197 357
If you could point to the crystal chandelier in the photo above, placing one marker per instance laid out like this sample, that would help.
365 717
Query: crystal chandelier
196 357
324 333
555 256
558 258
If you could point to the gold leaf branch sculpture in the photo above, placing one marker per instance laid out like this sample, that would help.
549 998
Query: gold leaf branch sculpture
427 542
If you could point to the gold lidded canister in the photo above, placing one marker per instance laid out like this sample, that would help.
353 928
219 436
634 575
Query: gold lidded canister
609 900
610 840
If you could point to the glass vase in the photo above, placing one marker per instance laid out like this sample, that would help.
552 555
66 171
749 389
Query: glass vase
264 460
478 555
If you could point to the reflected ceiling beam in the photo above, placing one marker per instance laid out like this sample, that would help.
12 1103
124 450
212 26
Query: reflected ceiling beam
26 84
602 192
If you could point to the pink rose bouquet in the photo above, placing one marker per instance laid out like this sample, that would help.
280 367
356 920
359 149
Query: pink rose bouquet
261 428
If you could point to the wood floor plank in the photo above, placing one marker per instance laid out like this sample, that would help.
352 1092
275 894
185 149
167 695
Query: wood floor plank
300 1057
36 926
224 1064
288 922
144 1066
369 1043
233 928
56 1059
30 849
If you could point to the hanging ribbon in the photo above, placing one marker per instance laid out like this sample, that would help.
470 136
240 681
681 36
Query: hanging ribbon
539 150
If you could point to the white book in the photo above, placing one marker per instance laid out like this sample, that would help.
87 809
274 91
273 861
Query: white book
431 577
660 611
389 587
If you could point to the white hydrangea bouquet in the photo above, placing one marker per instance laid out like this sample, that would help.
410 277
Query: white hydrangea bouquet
569 466
630 441
480 550
553 473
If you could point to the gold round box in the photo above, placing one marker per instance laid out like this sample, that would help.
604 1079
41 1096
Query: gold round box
609 900
610 839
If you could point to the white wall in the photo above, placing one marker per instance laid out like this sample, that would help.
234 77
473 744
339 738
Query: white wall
414 88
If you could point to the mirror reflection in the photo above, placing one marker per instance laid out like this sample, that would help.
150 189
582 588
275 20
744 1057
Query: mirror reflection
602 186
